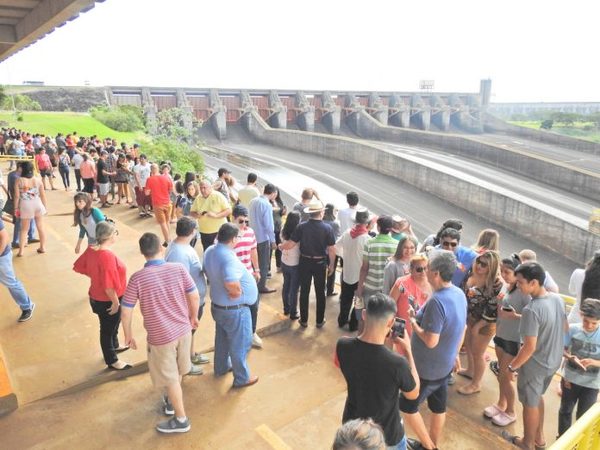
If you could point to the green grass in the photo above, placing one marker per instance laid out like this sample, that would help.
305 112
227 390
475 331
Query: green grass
577 130
52 123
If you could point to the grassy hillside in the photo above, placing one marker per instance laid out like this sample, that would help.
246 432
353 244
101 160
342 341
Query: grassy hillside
66 122
581 130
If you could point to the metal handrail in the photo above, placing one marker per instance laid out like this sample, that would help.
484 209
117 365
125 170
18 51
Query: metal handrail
584 434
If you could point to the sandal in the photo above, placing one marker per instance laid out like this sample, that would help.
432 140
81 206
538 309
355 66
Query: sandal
510 438
39 250
502 419
463 391
491 411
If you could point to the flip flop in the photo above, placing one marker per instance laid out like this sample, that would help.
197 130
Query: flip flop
462 392
540 446
509 437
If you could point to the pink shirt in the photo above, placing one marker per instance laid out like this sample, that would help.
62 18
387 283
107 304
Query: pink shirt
409 293
161 289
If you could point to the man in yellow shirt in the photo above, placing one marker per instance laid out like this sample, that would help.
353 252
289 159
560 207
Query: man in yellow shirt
211 208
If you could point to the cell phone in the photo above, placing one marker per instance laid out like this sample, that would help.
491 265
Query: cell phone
399 327
203 212
577 363
508 308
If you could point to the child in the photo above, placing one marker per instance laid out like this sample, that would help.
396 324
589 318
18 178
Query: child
581 376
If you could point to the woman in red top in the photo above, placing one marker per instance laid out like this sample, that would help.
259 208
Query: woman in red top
412 290
108 280
44 165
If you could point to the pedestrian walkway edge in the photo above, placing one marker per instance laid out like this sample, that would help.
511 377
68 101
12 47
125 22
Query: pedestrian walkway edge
8 399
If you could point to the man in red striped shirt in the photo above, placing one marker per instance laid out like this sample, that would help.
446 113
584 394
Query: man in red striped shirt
246 251
169 303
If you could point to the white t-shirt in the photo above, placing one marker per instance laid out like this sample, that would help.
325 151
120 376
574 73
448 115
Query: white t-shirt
575 285
143 172
77 160
346 217
352 252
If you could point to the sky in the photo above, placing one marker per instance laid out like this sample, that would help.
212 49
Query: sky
531 50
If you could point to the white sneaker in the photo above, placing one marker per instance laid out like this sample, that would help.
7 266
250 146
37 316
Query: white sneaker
256 341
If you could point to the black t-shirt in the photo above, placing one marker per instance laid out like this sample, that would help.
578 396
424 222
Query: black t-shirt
374 375
314 237
101 170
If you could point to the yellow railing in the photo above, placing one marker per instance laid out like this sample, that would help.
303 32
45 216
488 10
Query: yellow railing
21 158
584 434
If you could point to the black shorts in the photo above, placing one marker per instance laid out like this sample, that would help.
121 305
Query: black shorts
510 347
46 173
436 393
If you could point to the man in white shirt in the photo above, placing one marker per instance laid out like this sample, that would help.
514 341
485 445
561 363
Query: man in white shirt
346 216
141 173
77 160
350 246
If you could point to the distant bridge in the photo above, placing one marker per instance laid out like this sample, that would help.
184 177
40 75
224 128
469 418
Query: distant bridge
507 109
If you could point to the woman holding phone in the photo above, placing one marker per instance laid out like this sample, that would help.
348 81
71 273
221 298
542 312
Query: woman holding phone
507 343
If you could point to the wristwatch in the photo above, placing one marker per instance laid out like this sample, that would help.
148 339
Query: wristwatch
510 369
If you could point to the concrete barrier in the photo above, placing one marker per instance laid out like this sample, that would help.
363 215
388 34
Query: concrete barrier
496 125
546 226
564 176
8 399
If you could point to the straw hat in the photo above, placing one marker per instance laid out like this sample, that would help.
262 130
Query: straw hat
314 206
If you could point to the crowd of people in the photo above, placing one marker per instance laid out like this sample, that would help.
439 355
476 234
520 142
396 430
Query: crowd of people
415 303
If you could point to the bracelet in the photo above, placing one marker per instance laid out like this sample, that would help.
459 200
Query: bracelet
510 369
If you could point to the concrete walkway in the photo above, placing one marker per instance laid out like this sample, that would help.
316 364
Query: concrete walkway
297 403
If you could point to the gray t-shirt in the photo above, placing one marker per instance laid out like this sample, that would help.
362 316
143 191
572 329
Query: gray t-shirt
545 318
508 329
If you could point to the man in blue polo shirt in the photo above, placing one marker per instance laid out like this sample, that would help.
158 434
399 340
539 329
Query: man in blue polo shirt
8 278
260 213
232 290
450 240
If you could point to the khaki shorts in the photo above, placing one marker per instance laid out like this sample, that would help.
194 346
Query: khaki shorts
162 213
168 363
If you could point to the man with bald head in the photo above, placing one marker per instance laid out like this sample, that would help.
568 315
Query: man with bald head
211 209
159 187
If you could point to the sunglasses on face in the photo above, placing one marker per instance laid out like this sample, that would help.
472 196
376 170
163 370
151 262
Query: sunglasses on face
449 244
482 263
242 222
420 269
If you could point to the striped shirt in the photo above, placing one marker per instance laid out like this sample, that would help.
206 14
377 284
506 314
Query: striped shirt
161 289
376 253
243 248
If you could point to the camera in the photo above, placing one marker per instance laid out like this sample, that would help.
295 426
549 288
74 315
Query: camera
399 327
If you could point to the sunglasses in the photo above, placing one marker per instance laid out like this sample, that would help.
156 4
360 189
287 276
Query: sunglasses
449 244
241 222
482 263
420 269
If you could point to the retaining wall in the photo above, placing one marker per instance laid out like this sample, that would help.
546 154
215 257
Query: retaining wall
496 125
550 228
571 179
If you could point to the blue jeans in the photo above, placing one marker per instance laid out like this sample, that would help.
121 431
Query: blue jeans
264 260
233 339
15 287
17 230
289 293
400 445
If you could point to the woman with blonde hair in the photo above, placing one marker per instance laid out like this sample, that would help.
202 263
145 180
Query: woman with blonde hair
30 204
489 239
484 289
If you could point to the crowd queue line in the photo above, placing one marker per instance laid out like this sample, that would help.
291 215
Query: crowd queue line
415 304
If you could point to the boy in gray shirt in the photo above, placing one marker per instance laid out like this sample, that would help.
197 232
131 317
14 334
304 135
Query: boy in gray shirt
543 324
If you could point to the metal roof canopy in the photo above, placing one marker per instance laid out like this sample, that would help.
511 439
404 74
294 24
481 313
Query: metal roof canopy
23 22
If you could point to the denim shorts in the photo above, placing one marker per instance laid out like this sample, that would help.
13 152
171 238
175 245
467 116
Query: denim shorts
436 393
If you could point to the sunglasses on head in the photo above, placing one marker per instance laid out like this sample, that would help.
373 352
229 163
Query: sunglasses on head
420 269
449 244
241 222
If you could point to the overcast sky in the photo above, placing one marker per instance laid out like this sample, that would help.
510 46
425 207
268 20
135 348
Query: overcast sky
532 50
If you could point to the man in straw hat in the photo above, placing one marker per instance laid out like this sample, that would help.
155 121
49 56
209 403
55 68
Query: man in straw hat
317 244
